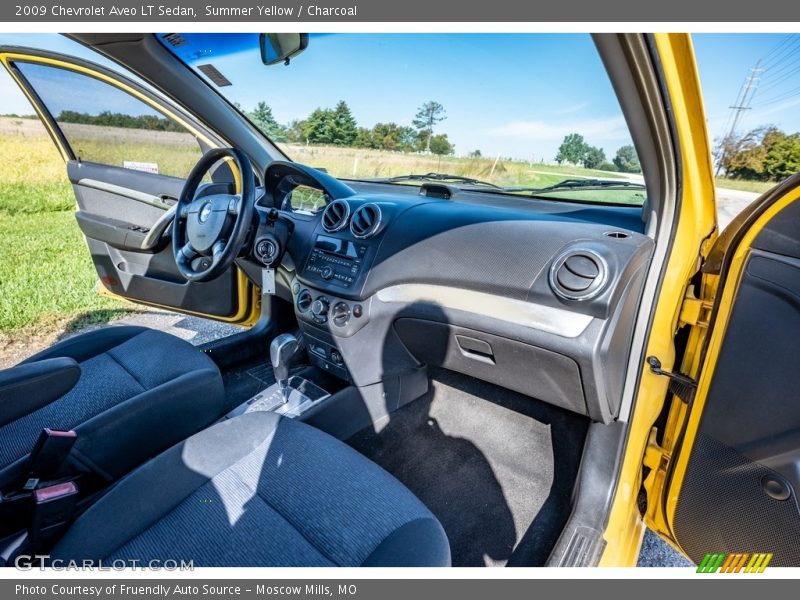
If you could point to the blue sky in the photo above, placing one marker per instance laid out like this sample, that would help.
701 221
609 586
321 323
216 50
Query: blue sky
513 94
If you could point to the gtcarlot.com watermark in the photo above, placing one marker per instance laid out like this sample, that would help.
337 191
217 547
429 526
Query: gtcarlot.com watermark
44 562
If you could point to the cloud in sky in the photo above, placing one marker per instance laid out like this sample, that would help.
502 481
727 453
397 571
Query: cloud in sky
568 110
601 129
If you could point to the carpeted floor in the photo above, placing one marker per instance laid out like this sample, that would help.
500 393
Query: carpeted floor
497 468
245 381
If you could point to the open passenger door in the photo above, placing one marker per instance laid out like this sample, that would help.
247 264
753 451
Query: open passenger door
733 442
127 153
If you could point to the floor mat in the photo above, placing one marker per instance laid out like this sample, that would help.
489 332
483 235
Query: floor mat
245 381
497 468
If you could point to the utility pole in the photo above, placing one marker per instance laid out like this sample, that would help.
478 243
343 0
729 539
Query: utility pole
742 103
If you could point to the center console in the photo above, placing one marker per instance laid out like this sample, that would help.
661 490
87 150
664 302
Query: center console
324 316
323 294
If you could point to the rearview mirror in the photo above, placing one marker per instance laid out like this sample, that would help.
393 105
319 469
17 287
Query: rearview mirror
281 47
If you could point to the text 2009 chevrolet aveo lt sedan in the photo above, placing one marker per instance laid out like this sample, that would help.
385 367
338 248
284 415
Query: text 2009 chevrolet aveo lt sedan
437 369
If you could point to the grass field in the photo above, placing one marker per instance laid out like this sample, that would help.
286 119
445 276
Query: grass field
745 186
46 277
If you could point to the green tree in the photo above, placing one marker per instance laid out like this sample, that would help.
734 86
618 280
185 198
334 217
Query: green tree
765 153
343 128
109 119
364 138
335 126
572 149
743 156
295 131
627 160
439 144
475 154
317 127
593 157
428 116
782 154
387 136
262 117
391 136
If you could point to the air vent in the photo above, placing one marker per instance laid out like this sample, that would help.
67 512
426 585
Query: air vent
304 300
578 274
335 216
366 220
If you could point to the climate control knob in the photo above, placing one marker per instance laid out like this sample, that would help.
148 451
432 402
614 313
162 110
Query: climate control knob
340 314
320 307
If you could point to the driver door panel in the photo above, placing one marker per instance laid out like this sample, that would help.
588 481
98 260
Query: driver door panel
127 154
115 217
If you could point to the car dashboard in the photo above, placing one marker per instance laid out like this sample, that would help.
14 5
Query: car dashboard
536 296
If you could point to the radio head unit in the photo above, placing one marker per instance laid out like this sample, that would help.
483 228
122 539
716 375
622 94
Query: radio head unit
335 260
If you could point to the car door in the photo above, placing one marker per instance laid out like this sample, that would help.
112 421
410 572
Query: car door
733 439
127 153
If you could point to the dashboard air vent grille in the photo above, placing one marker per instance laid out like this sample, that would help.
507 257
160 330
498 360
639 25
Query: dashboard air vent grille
366 220
335 216
578 275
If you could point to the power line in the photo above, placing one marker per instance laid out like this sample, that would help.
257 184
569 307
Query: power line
781 96
772 58
784 72
743 100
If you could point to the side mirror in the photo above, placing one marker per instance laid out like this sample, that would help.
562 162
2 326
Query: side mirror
281 47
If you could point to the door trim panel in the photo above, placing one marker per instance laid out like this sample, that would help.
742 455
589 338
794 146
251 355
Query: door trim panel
157 201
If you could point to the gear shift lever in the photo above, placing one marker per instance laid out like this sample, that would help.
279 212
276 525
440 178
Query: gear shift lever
281 351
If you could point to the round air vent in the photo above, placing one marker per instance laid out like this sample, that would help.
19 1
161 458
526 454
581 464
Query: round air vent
366 220
578 274
304 301
335 216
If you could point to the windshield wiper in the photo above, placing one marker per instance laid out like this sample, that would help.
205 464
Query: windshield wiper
442 177
582 184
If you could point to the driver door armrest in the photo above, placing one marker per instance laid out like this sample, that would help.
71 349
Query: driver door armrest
30 386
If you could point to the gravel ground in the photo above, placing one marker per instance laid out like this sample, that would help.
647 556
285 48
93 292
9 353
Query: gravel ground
657 553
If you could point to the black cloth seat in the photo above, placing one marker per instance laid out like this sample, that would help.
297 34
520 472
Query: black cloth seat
138 392
258 490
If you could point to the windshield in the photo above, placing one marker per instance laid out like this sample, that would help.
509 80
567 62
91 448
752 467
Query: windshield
503 113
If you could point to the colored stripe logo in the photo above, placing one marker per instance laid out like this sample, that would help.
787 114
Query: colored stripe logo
719 562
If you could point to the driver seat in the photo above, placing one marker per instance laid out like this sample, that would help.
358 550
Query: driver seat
128 392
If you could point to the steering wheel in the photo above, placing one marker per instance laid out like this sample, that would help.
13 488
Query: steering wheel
208 232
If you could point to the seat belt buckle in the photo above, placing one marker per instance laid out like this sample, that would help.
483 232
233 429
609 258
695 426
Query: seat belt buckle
53 508
50 452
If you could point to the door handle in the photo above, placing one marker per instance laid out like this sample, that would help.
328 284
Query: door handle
153 237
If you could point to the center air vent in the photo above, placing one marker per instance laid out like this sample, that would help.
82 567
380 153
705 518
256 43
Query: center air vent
366 220
335 216
578 274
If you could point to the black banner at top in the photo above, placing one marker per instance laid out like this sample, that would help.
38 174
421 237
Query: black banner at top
465 11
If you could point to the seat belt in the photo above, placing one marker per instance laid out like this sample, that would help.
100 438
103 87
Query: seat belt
49 454
37 505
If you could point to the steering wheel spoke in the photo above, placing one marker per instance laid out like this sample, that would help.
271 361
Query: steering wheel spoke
235 205
218 250
188 252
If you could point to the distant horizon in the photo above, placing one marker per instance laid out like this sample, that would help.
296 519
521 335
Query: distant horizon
527 125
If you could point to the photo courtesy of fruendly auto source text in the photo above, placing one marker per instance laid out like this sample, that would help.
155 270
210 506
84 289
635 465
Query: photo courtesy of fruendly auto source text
363 299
